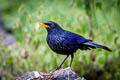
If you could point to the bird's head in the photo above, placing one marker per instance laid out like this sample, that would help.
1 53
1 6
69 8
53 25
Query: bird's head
51 26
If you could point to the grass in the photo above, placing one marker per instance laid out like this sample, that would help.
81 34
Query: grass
31 51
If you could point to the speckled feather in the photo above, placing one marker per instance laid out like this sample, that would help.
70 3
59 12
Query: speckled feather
61 43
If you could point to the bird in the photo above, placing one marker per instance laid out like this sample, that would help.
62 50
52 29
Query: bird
67 43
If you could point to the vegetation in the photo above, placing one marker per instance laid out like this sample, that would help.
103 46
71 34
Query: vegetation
94 19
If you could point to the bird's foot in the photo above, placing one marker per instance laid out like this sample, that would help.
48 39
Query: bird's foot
58 68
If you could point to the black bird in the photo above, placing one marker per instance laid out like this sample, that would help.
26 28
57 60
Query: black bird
65 42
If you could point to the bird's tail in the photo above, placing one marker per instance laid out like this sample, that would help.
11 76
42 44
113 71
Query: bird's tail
97 45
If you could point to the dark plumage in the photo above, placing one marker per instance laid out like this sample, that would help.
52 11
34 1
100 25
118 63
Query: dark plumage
65 42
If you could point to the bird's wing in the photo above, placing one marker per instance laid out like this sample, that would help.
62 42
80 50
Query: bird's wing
72 38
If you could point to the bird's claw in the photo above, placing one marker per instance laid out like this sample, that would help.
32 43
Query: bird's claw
58 68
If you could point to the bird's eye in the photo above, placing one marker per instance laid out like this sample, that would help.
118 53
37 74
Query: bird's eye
52 25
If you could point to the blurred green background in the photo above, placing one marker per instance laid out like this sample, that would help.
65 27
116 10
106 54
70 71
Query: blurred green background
94 19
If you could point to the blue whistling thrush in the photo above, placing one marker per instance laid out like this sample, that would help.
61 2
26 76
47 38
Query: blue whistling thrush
65 42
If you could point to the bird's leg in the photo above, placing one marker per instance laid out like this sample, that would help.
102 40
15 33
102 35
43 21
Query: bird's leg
62 62
72 56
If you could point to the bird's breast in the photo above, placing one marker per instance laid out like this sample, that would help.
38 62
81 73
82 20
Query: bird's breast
56 43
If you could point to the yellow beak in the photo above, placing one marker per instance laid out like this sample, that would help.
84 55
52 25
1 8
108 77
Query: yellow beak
44 25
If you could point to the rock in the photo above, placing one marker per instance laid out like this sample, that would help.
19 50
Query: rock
61 74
